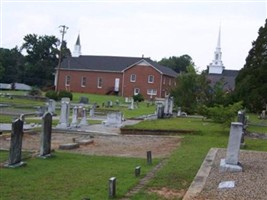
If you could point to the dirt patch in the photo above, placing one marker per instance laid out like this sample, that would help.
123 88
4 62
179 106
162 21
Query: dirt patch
168 193
126 146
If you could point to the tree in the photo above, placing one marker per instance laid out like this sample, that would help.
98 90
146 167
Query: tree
11 65
185 93
178 64
42 58
251 82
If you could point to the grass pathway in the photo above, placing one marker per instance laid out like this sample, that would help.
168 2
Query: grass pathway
144 181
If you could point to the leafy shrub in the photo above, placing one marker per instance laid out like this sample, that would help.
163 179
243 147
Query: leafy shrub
139 97
51 94
65 93
222 114
35 92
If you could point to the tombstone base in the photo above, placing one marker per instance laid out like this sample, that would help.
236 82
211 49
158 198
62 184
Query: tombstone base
62 126
20 164
69 146
224 167
45 156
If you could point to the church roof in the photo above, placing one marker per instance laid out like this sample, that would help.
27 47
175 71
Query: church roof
110 63
228 76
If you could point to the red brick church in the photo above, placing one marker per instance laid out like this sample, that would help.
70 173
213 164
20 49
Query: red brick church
124 76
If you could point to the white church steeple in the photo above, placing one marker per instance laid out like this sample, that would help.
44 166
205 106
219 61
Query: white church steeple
216 67
77 48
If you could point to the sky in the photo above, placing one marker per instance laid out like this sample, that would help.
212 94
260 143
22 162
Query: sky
153 28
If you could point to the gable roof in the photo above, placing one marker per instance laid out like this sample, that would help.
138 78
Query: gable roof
228 76
109 63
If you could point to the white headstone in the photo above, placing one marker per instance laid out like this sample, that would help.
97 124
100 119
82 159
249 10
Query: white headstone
84 121
131 106
64 114
74 121
51 106
114 119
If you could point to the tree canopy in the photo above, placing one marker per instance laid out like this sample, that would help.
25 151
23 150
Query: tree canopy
11 65
178 64
251 82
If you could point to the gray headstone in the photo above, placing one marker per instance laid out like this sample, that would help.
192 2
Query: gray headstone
131 106
64 114
166 106
231 163
137 171
84 100
45 148
74 121
233 147
179 111
160 110
149 157
112 187
84 121
16 144
114 119
51 106
170 105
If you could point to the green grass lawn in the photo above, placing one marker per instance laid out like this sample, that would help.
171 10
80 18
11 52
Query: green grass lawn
185 161
70 176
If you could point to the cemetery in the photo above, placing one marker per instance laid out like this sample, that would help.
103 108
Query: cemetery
163 155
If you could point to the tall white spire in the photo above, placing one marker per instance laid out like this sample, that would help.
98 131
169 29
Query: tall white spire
77 48
216 67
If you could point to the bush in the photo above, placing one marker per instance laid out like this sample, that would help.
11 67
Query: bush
51 94
64 93
221 114
35 92
139 97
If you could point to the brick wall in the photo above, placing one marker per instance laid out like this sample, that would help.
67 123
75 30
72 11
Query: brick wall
91 85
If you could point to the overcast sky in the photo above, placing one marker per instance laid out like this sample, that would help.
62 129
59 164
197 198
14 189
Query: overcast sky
155 29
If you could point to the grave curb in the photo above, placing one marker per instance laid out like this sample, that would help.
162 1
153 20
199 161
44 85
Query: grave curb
200 179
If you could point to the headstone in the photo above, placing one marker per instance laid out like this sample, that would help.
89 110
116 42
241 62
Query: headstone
114 119
51 106
16 144
149 157
84 121
45 148
170 105
41 110
242 119
84 100
231 163
126 99
112 187
137 171
166 106
74 122
263 114
179 111
131 106
160 110
92 110
64 114
226 184
80 111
